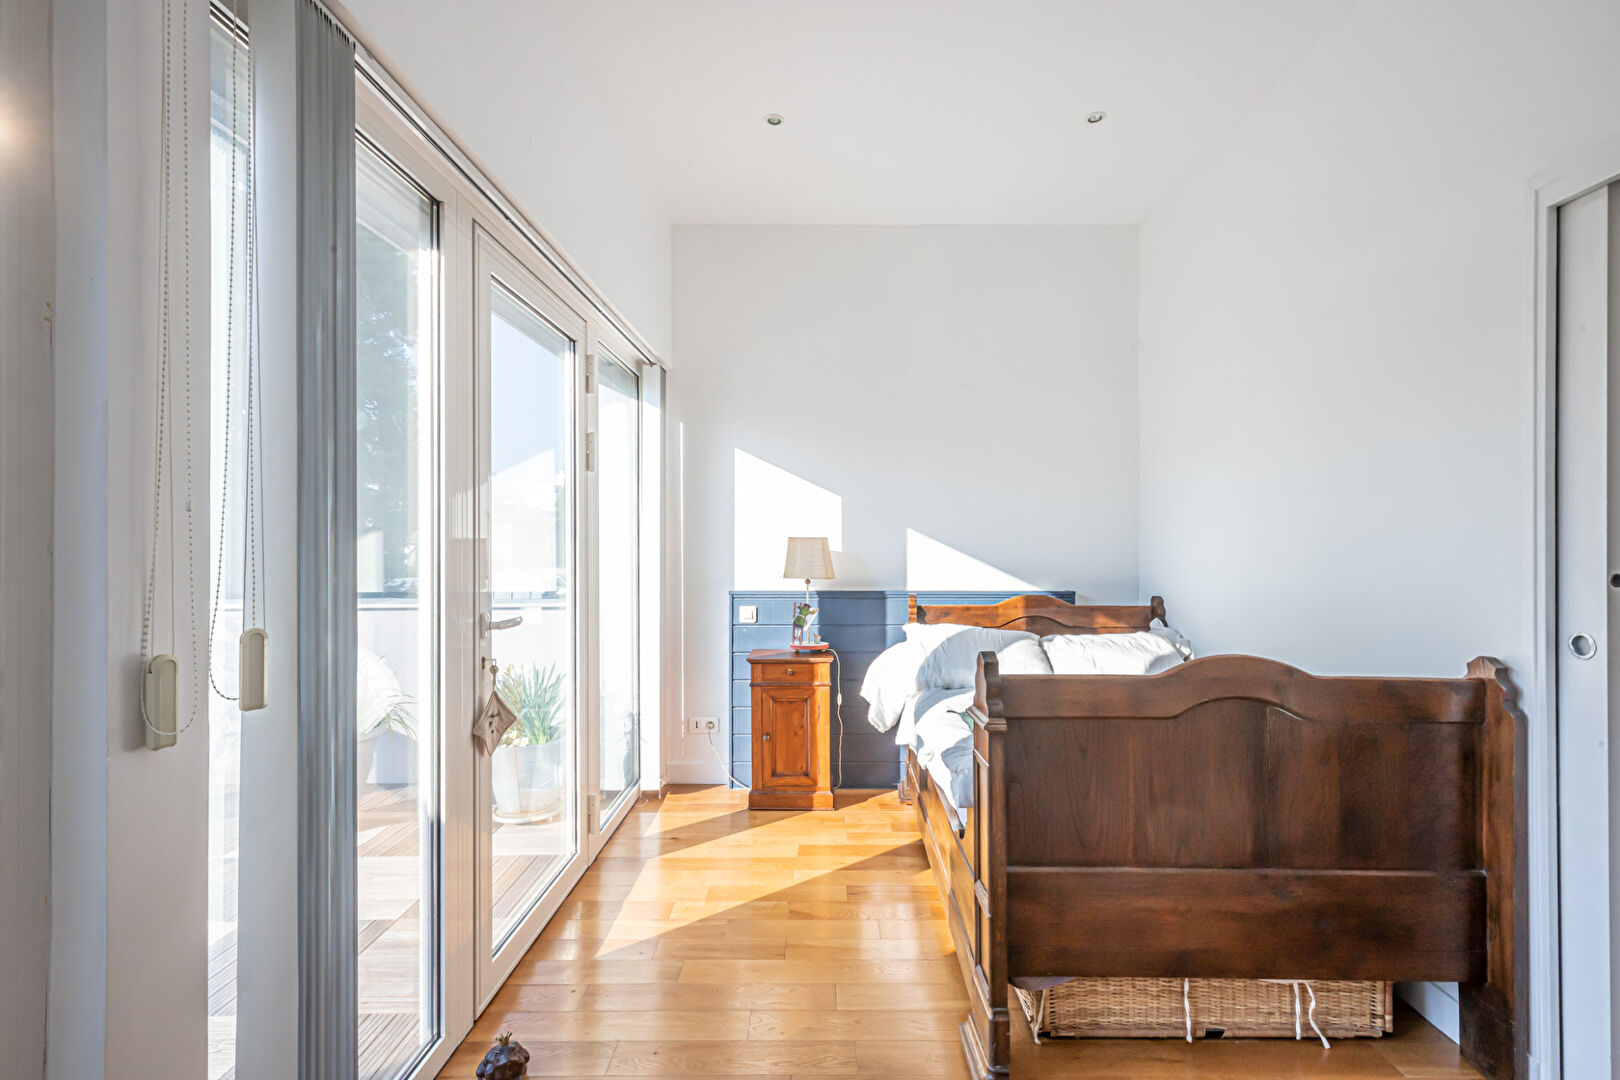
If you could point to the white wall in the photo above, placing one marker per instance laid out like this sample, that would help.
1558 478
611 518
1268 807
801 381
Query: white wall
1336 369
879 386
26 280
128 826
77 986
510 80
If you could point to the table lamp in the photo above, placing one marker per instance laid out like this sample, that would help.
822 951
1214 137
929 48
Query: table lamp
807 557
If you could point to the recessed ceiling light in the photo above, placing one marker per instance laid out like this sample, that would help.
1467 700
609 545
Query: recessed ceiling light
773 119
1096 117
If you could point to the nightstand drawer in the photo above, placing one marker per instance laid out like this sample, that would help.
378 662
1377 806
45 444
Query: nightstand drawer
792 672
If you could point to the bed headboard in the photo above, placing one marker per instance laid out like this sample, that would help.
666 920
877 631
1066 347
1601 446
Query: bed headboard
1042 615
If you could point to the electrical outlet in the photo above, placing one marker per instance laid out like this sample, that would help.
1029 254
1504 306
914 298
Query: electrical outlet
703 725
747 613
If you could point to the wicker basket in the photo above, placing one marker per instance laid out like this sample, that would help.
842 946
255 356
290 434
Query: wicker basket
1235 1008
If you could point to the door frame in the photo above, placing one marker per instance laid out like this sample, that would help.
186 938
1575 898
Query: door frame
1549 191
379 123
470 202
494 260
602 339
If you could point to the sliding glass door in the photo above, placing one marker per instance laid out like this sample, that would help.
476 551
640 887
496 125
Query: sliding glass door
398 664
531 844
499 549
618 570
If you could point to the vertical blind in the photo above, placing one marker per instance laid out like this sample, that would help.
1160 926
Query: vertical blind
328 1019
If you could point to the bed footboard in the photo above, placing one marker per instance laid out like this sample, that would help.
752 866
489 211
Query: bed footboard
1238 818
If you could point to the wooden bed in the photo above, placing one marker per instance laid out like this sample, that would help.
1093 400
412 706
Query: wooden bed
1234 817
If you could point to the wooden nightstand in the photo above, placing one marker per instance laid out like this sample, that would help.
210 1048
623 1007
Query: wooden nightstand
791 694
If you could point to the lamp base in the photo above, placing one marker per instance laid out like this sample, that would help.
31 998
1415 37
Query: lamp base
809 646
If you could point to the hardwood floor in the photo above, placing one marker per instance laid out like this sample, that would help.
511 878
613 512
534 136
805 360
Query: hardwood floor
709 941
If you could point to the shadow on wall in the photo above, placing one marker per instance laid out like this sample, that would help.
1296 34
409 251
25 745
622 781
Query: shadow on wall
770 504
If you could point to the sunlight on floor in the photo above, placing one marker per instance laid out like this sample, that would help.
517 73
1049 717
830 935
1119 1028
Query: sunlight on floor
709 940
685 884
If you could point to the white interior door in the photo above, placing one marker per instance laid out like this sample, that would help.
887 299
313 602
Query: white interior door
1588 590
532 790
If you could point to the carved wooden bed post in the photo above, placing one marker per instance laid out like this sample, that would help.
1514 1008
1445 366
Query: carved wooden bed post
1495 1013
987 1032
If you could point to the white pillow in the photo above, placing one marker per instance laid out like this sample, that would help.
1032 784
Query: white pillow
942 657
890 681
1023 657
951 653
1182 645
1144 653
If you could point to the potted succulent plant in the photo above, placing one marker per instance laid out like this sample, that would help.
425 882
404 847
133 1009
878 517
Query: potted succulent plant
526 769
384 716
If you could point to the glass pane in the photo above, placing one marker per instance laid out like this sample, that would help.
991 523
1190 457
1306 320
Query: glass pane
650 675
618 440
530 576
228 164
397 686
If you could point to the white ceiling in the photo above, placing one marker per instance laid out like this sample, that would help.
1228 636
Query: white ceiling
929 111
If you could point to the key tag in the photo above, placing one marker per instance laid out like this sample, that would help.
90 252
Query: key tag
495 717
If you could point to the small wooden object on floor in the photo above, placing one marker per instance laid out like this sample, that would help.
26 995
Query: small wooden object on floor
506 1060
791 694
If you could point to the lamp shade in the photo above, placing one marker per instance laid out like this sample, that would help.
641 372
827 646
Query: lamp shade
808 557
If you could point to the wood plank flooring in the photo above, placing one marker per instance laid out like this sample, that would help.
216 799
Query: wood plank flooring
708 941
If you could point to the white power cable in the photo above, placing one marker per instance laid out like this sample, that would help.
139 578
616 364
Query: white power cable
838 706
722 761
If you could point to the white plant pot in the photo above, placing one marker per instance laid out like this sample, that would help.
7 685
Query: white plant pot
365 752
527 781
395 758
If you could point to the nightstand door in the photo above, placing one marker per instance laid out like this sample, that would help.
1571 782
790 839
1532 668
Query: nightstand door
787 720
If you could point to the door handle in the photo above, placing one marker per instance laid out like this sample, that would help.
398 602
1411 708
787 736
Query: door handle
486 624
1583 646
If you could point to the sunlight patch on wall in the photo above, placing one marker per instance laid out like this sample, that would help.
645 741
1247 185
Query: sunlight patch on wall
931 564
770 504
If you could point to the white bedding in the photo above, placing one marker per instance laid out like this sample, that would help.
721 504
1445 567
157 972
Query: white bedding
943 741
922 685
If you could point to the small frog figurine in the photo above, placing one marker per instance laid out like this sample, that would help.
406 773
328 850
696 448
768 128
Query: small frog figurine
803 616
506 1060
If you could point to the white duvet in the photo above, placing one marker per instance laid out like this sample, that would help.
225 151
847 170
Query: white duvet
942 738
921 686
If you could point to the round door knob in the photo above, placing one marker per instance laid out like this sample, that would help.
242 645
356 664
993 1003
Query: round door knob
790 671
766 737
1583 646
